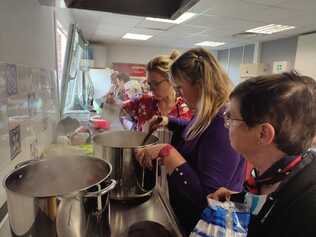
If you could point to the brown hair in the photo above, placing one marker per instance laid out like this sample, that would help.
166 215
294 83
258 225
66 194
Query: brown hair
162 63
287 101
123 77
200 66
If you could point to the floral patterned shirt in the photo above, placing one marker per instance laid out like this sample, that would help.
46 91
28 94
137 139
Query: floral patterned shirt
142 109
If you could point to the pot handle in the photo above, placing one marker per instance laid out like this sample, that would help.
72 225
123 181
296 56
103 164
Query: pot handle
23 163
101 192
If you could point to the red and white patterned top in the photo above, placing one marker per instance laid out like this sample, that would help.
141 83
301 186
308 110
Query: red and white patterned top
142 109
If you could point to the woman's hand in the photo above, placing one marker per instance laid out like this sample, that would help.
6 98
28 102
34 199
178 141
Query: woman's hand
157 122
146 155
222 194
109 98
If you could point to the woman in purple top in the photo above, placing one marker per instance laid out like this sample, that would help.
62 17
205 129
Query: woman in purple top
201 159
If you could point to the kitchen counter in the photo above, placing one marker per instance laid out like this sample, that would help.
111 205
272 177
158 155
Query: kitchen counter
155 209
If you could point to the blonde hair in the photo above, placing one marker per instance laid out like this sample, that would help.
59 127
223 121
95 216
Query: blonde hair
199 66
162 63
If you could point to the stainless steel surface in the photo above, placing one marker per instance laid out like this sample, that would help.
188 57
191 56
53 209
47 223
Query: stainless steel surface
117 147
52 177
40 205
156 209
164 135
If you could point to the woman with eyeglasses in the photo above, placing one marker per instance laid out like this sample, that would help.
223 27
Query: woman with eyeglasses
201 159
162 101
272 123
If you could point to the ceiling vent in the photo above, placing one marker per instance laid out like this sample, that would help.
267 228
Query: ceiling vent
169 9
245 35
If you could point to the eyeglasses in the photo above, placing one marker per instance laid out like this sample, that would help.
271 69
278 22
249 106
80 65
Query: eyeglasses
153 85
228 120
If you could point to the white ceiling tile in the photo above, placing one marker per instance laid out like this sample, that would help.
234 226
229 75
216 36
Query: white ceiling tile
120 20
201 6
144 31
187 29
265 2
154 25
236 9
302 5
217 20
214 22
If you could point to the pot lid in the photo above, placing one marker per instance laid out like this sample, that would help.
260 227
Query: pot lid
57 176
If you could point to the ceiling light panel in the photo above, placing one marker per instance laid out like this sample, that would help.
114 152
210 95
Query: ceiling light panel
210 43
270 29
184 17
136 36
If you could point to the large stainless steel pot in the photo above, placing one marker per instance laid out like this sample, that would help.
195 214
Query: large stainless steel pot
117 147
64 197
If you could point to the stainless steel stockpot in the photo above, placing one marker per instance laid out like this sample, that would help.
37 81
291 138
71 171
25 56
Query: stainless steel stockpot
61 197
118 148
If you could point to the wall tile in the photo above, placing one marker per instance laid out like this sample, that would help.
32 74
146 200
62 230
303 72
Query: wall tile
15 141
3 83
11 79
36 79
44 79
24 79
28 115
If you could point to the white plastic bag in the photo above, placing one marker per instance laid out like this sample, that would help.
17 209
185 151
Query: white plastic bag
223 219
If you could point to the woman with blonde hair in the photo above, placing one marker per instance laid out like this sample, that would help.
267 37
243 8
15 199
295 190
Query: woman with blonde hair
162 100
201 159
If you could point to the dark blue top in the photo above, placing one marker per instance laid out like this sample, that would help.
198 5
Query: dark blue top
211 163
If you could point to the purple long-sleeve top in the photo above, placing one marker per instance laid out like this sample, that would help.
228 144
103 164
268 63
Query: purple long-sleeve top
211 163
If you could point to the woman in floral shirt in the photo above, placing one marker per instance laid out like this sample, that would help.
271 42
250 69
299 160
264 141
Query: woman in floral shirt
162 100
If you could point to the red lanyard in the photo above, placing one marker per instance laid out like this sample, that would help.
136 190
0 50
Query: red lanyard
274 174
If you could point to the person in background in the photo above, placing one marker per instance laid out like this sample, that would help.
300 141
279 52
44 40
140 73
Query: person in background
201 159
133 88
272 123
117 94
162 101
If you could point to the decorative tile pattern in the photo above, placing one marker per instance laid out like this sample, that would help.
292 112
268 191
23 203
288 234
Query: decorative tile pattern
12 82
3 116
31 104
15 142
17 110
3 83
24 79
44 79
28 115
36 79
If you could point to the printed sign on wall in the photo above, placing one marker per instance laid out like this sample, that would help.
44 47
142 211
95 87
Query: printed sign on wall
131 69
15 141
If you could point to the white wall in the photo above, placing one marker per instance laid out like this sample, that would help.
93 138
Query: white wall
105 55
64 16
279 50
100 54
305 61
134 54
230 59
27 42
27 33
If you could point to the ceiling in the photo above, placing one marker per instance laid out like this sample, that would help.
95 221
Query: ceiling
216 20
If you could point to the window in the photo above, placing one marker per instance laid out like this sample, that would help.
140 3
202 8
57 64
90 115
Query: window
61 44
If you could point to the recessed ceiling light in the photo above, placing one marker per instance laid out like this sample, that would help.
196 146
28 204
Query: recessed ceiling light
184 17
136 36
270 29
210 43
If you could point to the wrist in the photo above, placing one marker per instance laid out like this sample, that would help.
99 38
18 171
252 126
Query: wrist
165 151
